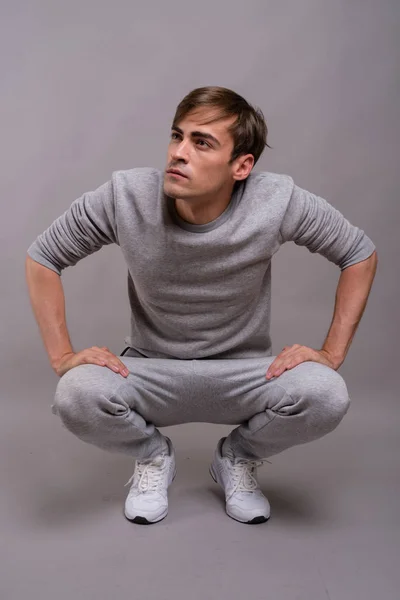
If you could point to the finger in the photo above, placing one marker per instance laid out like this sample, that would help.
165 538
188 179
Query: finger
277 363
274 369
278 370
124 370
282 365
271 369
114 361
106 359
117 366
93 359
287 366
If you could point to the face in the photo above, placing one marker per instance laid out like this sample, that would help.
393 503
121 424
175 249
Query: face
201 153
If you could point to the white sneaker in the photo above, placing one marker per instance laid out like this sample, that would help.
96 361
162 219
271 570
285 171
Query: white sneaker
147 500
245 502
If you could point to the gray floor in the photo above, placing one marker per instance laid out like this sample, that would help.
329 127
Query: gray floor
334 531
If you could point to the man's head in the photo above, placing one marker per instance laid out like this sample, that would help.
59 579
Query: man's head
216 139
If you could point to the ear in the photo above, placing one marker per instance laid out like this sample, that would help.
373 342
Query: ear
242 167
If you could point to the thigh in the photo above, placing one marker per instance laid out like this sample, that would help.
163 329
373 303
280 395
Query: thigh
156 389
172 391
226 391
232 391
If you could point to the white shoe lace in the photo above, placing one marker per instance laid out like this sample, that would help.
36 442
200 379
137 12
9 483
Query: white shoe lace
243 475
149 476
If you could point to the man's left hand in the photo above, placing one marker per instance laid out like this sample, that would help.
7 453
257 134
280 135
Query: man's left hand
291 356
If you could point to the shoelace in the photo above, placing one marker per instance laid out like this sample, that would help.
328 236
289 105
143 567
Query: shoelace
149 476
243 475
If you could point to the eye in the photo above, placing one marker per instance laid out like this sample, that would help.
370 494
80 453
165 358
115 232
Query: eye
174 134
204 142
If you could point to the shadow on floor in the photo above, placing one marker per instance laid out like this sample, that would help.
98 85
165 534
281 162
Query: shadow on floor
60 501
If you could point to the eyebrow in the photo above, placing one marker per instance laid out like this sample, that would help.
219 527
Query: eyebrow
197 134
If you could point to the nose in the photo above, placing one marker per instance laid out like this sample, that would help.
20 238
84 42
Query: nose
180 152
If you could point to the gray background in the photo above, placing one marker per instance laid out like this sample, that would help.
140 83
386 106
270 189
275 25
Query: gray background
91 87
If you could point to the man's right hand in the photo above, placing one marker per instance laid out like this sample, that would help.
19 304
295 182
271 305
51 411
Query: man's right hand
90 356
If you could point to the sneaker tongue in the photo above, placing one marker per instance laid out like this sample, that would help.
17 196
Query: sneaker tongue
157 461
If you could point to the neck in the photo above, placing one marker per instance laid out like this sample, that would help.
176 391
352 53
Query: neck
202 210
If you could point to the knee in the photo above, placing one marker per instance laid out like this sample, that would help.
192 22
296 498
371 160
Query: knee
319 393
328 396
82 395
72 394
339 398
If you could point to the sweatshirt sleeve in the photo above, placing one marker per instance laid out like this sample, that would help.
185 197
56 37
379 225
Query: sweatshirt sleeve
312 222
83 229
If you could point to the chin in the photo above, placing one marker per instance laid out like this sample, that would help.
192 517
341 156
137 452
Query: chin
172 189
169 189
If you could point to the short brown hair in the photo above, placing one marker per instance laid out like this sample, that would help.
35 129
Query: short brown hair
249 131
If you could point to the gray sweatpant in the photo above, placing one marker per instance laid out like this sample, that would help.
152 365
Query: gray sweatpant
123 414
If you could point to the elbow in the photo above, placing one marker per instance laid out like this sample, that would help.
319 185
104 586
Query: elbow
369 264
31 263
372 260
34 266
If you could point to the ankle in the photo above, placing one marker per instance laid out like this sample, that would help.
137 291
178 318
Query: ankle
226 450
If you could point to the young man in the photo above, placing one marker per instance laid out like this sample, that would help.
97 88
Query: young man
198 241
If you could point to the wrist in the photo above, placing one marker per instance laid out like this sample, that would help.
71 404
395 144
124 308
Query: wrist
335 358
55 362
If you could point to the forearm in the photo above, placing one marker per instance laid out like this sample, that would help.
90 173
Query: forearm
351 298
48 304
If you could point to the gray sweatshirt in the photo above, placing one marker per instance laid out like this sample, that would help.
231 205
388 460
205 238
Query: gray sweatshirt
199 291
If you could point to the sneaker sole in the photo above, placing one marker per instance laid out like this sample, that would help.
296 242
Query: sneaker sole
143 521
255 521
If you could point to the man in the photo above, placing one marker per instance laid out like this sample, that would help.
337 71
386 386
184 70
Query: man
198 241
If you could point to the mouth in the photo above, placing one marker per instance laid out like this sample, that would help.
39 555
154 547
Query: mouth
176 173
